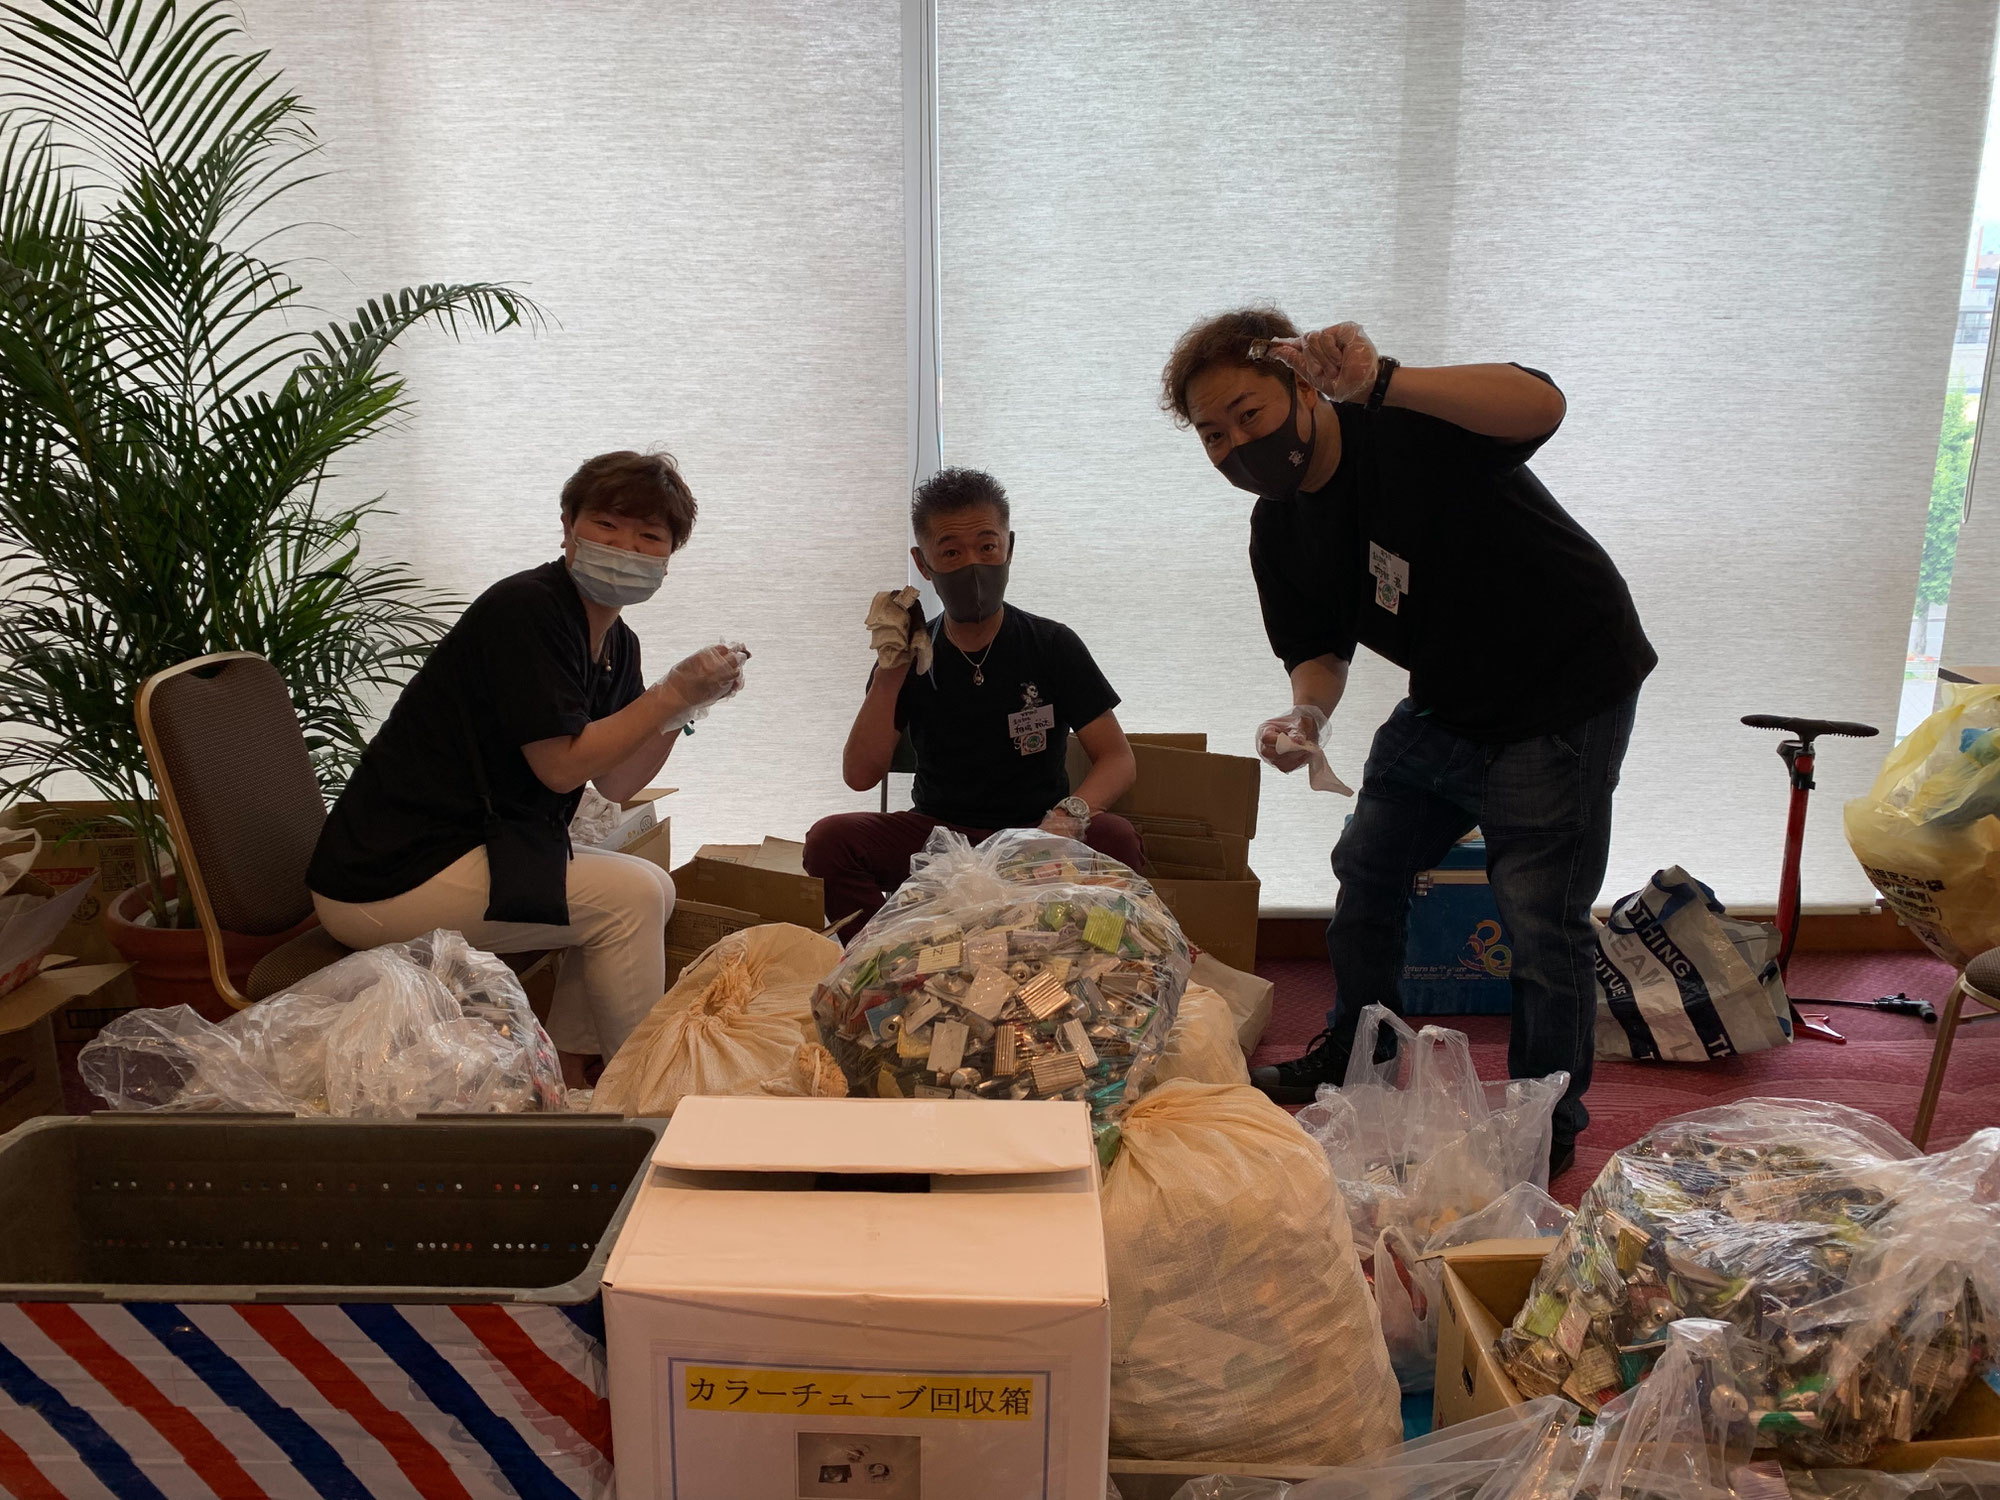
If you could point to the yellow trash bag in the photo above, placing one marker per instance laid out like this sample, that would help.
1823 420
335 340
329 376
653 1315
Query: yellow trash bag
1927 833
737 1016
1241 1328
1202 1044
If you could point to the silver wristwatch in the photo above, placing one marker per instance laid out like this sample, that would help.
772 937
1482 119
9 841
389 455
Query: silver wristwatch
1077 808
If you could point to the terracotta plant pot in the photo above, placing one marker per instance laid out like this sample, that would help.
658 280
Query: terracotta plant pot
170 965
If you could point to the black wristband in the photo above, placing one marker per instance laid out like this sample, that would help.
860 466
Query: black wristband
1384 368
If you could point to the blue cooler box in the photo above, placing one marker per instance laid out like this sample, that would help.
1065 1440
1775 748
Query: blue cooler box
1458 956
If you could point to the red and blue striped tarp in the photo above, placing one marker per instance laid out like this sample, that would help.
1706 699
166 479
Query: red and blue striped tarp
293 1401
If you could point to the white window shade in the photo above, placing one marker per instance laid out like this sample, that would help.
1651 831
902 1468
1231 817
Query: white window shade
708 201
1732 234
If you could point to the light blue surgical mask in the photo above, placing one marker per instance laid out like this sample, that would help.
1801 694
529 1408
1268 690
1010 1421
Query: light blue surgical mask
612 576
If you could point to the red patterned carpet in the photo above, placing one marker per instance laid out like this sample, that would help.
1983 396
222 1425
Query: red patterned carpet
1881 1069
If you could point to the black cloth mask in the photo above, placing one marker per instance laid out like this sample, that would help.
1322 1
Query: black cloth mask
972 593
1275 464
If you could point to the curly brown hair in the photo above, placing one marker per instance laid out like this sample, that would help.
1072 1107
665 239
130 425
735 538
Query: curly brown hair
644 486
1224 339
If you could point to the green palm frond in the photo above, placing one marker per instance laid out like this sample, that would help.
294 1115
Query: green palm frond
167 422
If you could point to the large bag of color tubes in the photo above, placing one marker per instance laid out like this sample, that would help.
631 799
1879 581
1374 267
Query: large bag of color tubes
1860 1277
1030 967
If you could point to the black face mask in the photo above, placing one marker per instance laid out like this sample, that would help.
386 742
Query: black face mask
1275 464
972 593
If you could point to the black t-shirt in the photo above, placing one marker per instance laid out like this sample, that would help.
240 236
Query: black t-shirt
993 756
516 668
1440 550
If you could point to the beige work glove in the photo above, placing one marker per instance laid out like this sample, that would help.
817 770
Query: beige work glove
896 630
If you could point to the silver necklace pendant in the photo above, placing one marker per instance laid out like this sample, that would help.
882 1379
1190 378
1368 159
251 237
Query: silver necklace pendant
978 677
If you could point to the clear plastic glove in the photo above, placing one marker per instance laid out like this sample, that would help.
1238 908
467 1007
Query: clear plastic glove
701 681
1338 362
1292 740
1062 825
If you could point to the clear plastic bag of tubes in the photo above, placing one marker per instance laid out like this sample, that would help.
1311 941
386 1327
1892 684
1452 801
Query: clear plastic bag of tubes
1859 1277
1030 967
428 1026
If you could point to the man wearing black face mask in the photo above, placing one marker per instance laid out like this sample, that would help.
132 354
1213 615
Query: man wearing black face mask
1396 511
990 720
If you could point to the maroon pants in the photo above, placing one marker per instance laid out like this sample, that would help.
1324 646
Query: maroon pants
863 857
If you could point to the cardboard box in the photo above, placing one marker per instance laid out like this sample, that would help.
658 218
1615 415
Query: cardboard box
27 936
1484 1287
806 1288
81 839
728 887
656 844
1196 814
641 814
30 1084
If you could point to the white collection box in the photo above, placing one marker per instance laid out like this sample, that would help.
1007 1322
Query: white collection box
863 1299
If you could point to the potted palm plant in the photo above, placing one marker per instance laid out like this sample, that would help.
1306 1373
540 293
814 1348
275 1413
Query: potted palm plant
168 417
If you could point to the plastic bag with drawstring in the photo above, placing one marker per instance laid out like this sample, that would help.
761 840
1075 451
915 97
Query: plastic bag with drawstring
1240 1327
736 1019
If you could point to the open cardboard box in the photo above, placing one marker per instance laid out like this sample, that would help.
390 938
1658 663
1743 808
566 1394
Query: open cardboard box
1196 813
646 832
728 887
642 817
84 841
1484 1287
30 1084
35 984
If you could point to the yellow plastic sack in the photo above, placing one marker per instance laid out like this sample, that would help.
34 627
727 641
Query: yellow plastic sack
1241 1328
737 1016
1201 1047
1926 833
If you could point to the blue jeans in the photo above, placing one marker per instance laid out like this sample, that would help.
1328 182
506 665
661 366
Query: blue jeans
1544 806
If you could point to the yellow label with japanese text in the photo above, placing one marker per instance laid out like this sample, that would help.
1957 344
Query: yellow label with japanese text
835 1393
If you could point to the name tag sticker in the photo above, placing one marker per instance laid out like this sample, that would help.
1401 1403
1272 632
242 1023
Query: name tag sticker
1030 720
1389 568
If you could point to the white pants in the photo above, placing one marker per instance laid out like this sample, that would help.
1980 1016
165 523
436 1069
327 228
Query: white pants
616 967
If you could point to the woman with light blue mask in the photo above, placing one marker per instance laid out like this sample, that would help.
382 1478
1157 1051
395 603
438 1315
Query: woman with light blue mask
458 814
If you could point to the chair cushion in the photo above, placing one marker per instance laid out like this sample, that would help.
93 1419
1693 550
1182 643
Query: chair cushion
1983 976
283 967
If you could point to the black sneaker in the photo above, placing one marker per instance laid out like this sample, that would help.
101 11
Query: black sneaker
1561 1159
1298 1081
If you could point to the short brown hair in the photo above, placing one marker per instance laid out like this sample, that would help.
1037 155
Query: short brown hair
1224 339
951 490
644 486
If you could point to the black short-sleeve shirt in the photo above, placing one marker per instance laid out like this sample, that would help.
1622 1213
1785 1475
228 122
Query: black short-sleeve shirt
1440 550
516 668
994 755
